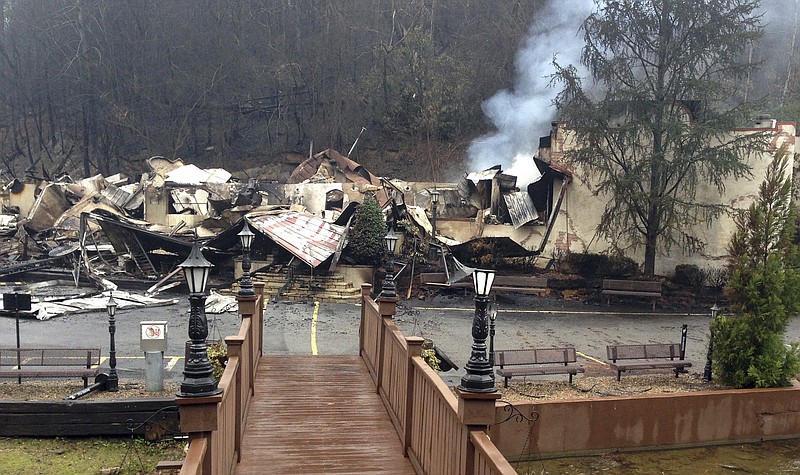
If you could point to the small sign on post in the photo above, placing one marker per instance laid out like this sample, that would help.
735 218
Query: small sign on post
17 302
153 336
153 341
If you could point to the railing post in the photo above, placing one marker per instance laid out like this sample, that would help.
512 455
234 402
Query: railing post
199 420
477 412
387 306
414 345
258 321
234 344
366 290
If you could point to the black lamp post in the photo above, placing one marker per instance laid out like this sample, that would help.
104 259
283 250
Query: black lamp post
389 291
198 379
113 380
245 284
434 208
492 318
479 370
707 370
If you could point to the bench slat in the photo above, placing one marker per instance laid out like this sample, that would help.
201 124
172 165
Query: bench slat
631 293
632 285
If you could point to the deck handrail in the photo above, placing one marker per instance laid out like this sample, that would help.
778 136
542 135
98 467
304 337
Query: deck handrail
442 433
215 424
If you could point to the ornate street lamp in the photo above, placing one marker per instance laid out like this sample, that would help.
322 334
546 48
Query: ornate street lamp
112 384
434 208
707 370
479 370
245 284
389 291
198 379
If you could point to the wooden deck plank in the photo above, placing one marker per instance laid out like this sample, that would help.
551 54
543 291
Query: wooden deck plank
313 414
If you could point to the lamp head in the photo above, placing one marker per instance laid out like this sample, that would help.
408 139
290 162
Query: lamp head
111 305
391 241
434 196
246 235
483 279
196 269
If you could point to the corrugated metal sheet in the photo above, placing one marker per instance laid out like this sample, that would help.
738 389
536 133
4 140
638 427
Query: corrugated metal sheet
520 207
487 174
309 238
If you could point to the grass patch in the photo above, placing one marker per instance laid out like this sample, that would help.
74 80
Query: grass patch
85 456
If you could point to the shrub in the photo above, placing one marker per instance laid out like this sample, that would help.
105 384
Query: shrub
365 238
689 274
218 356
620 266
692 276
600 265
717 277
764 289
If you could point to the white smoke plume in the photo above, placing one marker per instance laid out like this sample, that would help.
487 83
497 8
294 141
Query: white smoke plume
520 116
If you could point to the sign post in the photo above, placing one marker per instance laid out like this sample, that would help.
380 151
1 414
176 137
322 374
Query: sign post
154 344
17 302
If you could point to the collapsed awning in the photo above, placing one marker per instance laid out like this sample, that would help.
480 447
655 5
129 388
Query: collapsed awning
309 238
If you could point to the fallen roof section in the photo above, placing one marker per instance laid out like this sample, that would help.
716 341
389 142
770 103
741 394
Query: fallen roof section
309 238
351 169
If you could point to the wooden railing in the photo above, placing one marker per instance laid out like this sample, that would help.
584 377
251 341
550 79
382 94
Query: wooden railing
442 433
215 424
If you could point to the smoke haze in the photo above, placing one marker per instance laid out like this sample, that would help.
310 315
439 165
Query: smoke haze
520 116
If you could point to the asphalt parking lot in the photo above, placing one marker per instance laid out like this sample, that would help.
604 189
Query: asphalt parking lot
331 328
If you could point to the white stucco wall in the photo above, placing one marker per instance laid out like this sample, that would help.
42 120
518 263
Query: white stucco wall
579 216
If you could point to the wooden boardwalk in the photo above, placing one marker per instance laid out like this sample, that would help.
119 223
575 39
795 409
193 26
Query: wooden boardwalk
314 414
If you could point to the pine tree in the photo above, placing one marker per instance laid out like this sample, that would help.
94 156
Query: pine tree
764 289
365 238
656 124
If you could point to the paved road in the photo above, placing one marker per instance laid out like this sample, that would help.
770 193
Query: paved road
327 328
522 321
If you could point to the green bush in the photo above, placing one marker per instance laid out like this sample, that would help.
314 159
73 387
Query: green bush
717 277
689 274
597 266
764 289
365 238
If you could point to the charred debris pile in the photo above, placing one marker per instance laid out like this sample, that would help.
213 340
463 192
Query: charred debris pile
101 230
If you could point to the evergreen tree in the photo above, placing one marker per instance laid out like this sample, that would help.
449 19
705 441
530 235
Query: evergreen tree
764 289
657 123
365 238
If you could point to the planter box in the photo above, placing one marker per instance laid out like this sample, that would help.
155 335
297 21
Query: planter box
152 418
586 426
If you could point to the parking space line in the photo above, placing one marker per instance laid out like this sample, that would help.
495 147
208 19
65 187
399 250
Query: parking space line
172 362
591 358
314 329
